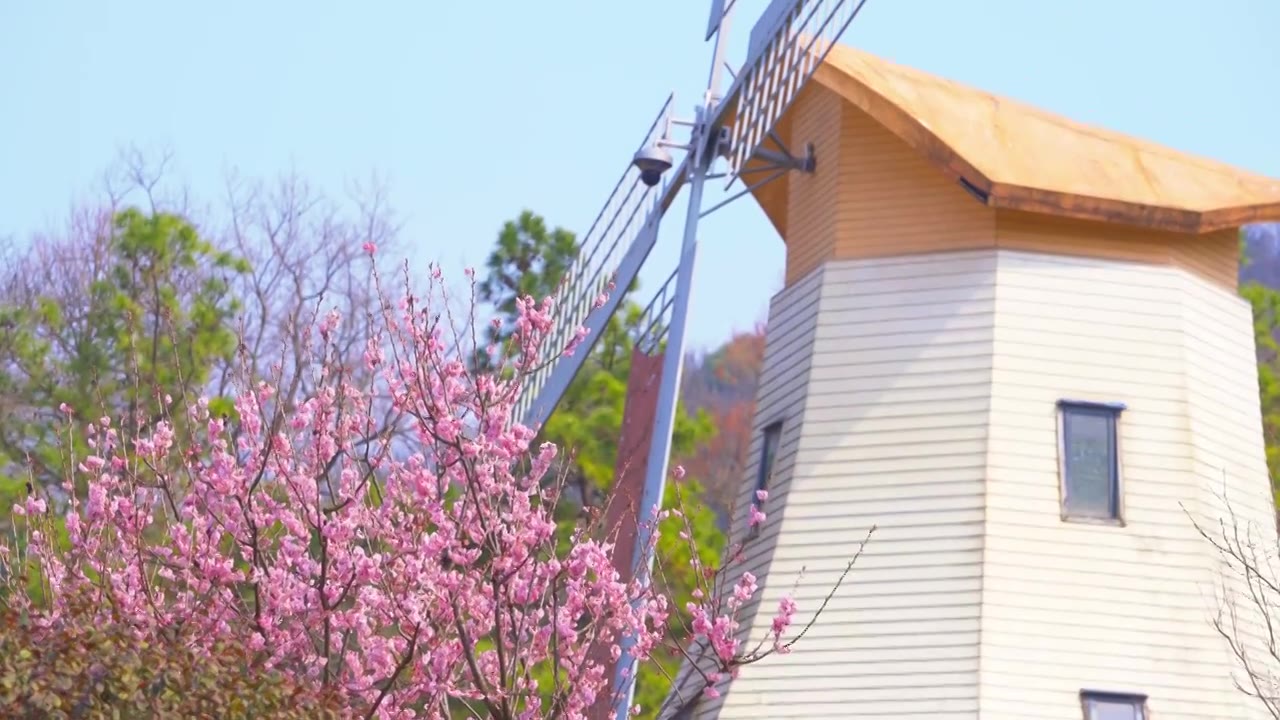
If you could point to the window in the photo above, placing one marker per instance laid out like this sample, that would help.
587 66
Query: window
1090 460
768 454
772 437
1113 706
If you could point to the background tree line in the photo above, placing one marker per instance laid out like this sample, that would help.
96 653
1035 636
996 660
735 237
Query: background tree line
1260 285
141 301
145 301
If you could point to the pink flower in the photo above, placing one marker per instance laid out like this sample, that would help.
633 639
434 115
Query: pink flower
331 322
578 336
300 517
369 248
745 588
781 621
35 505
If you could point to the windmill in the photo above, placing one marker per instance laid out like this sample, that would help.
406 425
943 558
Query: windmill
1011 343
787 44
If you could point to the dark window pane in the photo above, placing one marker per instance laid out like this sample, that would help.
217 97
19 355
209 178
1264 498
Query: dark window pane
768 454
1113 708
1089 445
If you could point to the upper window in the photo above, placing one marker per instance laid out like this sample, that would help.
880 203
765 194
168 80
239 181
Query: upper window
1113 706
1090 462
769 442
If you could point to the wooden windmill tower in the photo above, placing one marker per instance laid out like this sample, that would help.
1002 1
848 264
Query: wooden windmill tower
1014 344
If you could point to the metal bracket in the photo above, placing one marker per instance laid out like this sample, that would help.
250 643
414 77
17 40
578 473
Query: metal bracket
780 162
723 142
806 163
783 157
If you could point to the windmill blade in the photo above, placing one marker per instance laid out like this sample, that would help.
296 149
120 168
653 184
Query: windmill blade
613 250
787 45
655 319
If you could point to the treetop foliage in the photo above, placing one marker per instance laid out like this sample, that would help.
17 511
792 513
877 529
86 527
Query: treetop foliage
411 584
142 329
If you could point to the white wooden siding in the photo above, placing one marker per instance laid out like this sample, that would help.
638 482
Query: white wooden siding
781 396
1071 606
927 390
894 434
1227 455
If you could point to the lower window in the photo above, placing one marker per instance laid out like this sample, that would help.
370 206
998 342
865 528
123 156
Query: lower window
1113 706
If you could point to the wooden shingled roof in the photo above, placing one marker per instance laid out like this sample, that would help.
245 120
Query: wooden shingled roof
1024 158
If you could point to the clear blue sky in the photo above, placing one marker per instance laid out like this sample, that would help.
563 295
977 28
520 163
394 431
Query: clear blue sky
475 110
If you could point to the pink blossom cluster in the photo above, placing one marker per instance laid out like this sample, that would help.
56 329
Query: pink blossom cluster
413 564
716 630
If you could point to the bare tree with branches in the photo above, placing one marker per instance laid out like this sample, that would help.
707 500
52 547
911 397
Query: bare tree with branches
1247 597
308 255
305 251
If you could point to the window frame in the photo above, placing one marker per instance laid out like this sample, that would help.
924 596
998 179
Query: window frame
1137 700
766 463
1112 411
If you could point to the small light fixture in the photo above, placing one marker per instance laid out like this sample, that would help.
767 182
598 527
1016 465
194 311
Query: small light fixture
652 161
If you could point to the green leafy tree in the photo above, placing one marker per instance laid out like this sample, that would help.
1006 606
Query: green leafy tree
135 333
531 259
1265 302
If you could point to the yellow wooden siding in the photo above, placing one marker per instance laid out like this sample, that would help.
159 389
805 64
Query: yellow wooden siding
871 195
874 196
891 201
1070 606
810 214
1213 256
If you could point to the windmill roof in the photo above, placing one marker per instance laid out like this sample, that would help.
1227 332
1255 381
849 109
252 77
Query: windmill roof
1028 159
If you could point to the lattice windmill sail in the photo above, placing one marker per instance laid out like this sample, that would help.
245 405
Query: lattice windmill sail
787 44
613 250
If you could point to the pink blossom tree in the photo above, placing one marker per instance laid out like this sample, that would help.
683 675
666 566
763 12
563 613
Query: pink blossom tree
414 568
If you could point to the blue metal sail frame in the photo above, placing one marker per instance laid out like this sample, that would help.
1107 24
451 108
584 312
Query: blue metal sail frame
787 44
